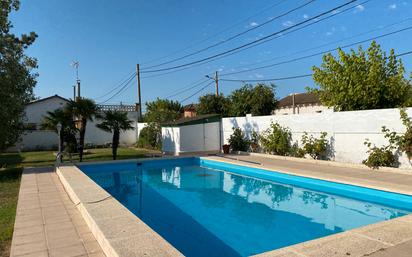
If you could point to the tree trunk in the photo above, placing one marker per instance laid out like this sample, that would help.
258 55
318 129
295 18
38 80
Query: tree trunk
81 140
115 143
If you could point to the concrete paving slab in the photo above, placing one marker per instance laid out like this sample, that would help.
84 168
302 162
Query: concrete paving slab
404 249
47 221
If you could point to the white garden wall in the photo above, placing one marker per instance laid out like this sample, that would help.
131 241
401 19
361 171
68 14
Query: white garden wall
347 131
43 139
140 126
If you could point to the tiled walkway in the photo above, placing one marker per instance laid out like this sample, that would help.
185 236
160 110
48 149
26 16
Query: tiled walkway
47 222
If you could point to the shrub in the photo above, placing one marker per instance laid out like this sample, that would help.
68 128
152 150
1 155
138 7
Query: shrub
380 156
296 151
276 140
150 137
405 143
238 140
254 142
316 147
388 155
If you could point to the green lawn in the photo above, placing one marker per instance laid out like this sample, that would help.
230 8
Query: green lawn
11 166
9 190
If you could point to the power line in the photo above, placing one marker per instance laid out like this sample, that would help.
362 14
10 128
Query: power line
319 53
197 92
327 44
234 36
217 33
266 80
405 53
124 87
290 77
189 87
280 35
252 42
120 84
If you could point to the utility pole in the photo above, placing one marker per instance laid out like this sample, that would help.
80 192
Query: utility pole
217 83
216 79
74 93
139 96
78 88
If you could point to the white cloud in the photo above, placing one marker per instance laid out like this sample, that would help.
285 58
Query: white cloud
259 76
392 6
359 8
288 23
305 16
253 24
331 31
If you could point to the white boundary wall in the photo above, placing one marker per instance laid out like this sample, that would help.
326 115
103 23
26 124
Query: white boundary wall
347 131
44 139
140 126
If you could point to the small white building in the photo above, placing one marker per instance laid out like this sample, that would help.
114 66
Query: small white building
34 138
200 134
299 103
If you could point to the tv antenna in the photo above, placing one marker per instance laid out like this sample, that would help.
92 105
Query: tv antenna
76 64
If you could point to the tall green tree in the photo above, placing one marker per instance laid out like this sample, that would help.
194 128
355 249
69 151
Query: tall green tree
257 100
83 110
163 110
115 122
158 112
362 80
68 130
212 103
17 79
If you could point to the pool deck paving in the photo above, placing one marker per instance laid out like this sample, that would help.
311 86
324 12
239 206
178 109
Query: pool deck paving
47 221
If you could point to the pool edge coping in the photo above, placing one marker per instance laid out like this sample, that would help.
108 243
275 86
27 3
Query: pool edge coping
350 238
361 241
113 239
336 180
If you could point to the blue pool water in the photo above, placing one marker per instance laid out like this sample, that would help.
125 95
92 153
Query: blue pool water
207 208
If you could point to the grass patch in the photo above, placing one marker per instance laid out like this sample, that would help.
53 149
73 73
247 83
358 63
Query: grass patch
9 191
47 158
11 167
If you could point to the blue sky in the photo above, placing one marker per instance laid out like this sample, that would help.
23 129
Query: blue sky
109 37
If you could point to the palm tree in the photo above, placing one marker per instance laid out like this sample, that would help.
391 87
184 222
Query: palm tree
115 122
83 110
67 132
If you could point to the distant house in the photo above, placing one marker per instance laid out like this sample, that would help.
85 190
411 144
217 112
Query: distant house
34 138
298 103
189 111
36 110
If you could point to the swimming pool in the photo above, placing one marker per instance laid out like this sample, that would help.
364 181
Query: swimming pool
210 208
